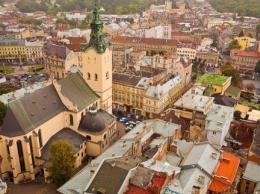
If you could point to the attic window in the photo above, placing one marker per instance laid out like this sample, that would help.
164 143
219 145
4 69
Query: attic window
32 114
54 102
45 96
33 102
44 108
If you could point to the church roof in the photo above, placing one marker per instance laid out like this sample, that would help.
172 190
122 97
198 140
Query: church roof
67 134
29 112
78 91
95 123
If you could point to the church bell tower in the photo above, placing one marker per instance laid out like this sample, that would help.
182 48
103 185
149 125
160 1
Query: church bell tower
97 63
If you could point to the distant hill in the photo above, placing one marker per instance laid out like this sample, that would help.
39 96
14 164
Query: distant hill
242 7
111 6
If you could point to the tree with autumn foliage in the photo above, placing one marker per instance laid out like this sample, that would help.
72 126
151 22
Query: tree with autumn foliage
62 162
229 70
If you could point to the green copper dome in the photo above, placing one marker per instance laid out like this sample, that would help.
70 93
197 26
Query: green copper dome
96 37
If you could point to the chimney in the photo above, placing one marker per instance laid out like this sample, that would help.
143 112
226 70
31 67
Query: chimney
92 173
201 179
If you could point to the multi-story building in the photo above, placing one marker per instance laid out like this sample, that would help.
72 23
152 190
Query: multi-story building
174 65
187 49
157 98
163 32
12 50
149 45
195 107
217 124
35 49
244 61
59 60
125 57
74 44
244 42
217 84
128 92
210 56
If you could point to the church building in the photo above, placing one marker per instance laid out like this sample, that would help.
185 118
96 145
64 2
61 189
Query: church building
77 109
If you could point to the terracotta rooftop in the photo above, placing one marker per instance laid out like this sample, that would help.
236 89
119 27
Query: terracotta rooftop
225 174
238 52
138 40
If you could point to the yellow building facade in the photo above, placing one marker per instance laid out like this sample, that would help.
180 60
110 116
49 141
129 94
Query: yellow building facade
244 42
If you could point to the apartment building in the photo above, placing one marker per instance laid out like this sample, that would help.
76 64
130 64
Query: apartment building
150 45
128 92
157 98
59 60
244 61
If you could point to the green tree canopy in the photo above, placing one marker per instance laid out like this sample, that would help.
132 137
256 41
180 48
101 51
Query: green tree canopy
242 7
257 67
228 70
62 162
2 112
237 115
111 6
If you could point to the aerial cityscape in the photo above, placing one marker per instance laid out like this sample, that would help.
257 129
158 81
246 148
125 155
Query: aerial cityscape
129 97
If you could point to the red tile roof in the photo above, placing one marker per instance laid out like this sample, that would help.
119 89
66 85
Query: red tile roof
238 52
150 41
225 174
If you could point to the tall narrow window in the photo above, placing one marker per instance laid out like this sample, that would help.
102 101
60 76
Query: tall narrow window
71 120
107 75
88 75
20 154
96 77
40 138
31 149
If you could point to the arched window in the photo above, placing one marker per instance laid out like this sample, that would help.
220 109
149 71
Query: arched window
88 75
40 138
31 149
96 77
107 75
20 154
71 120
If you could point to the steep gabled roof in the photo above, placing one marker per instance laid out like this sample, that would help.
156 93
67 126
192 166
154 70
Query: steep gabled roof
78 91
29 112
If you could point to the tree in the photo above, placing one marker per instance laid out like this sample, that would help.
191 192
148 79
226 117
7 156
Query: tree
237 115
257 67
228 70
153 52
250 87
62 162
258 30
2 112
234 45
250 35
241 33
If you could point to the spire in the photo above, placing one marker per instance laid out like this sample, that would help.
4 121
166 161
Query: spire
96 37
